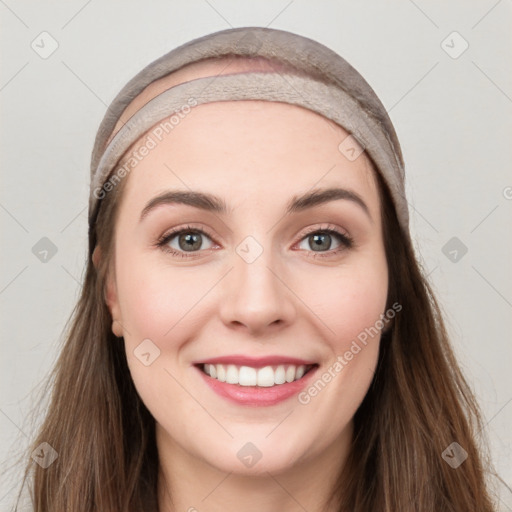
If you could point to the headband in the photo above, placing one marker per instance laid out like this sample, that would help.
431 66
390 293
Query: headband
316 78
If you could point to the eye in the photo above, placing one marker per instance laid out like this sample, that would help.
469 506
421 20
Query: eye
185 240
325 240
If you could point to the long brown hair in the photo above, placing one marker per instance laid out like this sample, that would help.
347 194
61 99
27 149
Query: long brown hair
418 404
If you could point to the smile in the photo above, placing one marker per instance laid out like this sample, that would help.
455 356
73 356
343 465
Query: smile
256 382
265 377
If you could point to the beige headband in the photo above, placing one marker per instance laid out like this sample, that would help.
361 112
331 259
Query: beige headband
323 82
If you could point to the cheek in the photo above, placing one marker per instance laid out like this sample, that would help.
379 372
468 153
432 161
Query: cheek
357 308
350 303
348 300
154 302
152 298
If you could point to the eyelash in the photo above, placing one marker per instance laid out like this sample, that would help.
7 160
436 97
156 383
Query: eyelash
346 242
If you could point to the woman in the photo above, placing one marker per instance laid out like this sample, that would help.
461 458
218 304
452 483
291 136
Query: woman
254 331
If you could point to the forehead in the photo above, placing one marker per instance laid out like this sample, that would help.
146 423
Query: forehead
252 153
250 138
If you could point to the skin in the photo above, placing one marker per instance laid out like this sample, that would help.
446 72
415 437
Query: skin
257 157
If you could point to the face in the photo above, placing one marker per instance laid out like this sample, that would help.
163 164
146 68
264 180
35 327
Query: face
256 294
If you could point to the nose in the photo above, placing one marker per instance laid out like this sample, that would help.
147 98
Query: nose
256 296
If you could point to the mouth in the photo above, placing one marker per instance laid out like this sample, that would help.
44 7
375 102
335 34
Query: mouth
248 376
256 382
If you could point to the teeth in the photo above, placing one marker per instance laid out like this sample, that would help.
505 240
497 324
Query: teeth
232 374
221 373
262 377
280 375
266 377
247 376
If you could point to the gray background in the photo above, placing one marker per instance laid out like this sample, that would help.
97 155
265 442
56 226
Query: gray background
452 115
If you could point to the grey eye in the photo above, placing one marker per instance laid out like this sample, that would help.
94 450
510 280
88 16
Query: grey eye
188 241
319 242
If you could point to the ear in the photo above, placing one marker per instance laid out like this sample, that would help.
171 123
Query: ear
388 326
389 320
96 256
110 295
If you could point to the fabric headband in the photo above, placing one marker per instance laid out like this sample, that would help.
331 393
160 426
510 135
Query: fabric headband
320 81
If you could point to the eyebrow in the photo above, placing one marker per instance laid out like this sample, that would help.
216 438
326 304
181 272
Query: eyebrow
212 203
321 196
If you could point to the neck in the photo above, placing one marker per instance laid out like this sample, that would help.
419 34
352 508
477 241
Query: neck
187 483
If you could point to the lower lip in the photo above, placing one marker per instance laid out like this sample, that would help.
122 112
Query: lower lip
257 396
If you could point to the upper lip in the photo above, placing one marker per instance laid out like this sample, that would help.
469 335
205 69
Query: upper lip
255 362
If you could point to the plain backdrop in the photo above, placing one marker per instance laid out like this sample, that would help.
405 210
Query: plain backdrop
443 71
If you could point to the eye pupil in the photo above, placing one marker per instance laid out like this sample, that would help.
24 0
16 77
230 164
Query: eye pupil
190 241
318 241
